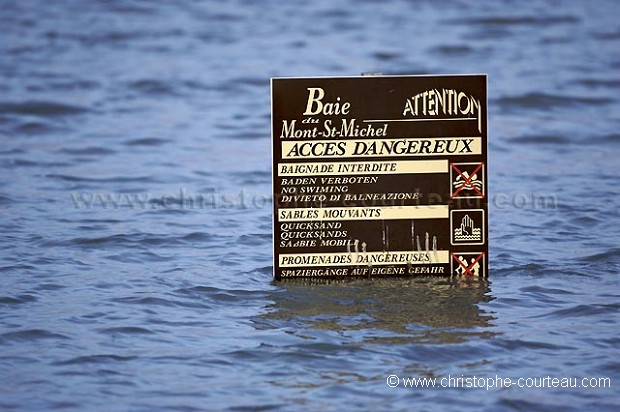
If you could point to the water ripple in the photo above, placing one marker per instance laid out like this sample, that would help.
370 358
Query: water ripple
588 311
96 359
147 141
41 108
17 300
609 256
560 140
546 101
519 20
126 330
30 335
158 301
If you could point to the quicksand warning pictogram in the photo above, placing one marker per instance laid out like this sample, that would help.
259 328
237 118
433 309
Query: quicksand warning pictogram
467 227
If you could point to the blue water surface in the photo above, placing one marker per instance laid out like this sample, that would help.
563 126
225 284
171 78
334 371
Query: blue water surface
135 210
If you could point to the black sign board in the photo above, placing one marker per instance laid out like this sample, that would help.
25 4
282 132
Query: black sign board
380 175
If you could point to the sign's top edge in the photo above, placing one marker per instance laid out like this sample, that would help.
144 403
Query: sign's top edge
379 75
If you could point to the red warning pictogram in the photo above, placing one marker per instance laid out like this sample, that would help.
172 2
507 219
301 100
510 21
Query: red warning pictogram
468 264
468 181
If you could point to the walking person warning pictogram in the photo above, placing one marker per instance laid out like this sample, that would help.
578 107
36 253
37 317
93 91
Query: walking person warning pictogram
467 180
470 264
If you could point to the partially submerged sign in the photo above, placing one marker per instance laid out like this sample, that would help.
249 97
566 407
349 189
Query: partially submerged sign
381 175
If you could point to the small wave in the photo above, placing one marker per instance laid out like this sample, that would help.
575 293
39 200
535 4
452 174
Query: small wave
74 85
248 135
80 360
163 208
153 87
111 37
220 295
265 270
11 151
584 221
18 267
128 8
38 163
255 239
92 221
199 237
519 344
610 343
16 300
513 404
86 151
130 240
115 179
386 56
612 367
529 268
298 44
549 291
603 83
199 290
30 335
41 108
50 286
538 100
610 35
252 177
147 141
542 139
118 240
126 330
252 81
609 256
542 296
587 311
195 85
605 139
36 128
141 257
518 20
154 301
453 50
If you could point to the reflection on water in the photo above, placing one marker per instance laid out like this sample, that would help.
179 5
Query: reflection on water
417 310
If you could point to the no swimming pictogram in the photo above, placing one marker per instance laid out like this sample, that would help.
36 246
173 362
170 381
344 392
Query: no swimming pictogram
467 180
